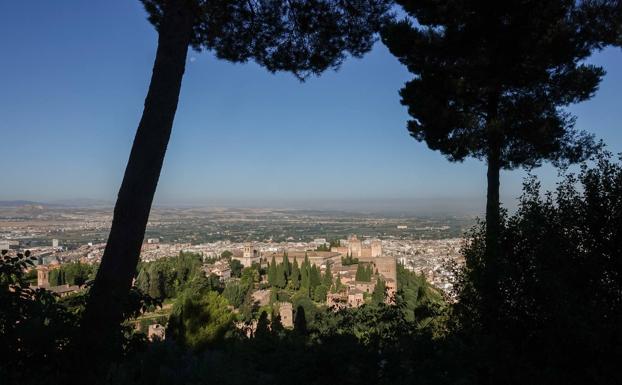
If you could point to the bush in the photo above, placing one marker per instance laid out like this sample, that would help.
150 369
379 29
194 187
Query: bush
550 305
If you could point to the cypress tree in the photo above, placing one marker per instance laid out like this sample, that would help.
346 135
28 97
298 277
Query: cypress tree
286 266
359 273
328 277
280 281
315 278
338 285
300 322
272 272
295 276
263 329
304 278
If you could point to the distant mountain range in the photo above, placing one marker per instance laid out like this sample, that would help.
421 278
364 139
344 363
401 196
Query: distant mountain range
21 203
58 203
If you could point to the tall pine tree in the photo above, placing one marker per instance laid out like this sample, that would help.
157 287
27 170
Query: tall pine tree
492 79
299 36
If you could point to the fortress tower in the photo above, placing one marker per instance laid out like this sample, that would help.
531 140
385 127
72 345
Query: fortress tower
355 248
43 276
376 248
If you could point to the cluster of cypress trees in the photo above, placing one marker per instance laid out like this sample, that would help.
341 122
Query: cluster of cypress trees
364 272
75 273
307 278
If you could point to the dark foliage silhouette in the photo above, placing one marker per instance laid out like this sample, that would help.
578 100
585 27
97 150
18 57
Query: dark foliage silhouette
302 37
34 327
37 327
557 289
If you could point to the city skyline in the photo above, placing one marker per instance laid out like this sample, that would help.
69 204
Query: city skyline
242 136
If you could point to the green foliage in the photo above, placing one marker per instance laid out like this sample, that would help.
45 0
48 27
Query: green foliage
305 283
294 280
379 293
250 275
38 326
236 267
328 277
551 292
272 272
420 303
236 292
364 272
73 273
263 329
226 255
300 320
280 280
317 35
198 321
168 277
338 285
287 267
323 247
349 260
34 327
319 293
487 83
315 278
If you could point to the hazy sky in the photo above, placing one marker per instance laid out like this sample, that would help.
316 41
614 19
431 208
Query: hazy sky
74 74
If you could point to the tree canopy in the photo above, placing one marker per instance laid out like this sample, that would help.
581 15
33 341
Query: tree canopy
496 75
300 36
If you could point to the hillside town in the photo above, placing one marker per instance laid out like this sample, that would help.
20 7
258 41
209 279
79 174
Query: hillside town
427 257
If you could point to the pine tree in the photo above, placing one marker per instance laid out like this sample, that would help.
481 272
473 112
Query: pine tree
492 79
304 38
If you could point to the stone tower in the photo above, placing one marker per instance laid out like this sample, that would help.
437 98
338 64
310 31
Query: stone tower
248 250
287 314
43 276
376 248
354 247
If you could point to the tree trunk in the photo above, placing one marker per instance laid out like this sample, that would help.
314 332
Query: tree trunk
493 205
490 287
100 329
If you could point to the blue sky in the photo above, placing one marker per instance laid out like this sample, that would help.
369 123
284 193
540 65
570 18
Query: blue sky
74 74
